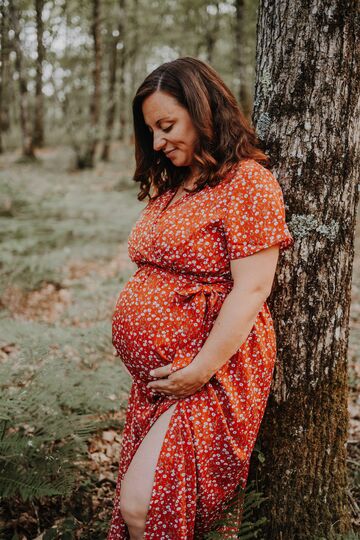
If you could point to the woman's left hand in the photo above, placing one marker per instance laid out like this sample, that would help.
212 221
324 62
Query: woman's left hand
178 384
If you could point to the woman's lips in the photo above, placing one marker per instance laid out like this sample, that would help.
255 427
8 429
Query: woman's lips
170 152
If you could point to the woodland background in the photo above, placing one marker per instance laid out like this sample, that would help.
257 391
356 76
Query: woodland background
69 69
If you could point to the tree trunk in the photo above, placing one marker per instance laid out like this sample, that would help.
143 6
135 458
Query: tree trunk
122 63
240 44
306 105
133 45
88 159
27 142
38 136
111 104
4 70
113 56
2 82
211 30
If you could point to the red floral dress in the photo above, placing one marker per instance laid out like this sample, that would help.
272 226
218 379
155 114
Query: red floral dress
164 314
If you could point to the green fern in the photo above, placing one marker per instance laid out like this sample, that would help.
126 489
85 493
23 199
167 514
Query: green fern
249 528
50 404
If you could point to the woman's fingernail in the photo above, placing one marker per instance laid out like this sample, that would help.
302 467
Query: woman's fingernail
152 373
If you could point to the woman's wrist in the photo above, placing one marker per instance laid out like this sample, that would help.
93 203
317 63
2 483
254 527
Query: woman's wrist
203 370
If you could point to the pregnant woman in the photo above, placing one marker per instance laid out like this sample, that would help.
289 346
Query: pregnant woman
192 325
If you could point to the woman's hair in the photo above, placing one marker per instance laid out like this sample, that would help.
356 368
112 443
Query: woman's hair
225 136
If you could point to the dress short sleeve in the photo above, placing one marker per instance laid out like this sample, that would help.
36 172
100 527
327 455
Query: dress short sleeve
254 212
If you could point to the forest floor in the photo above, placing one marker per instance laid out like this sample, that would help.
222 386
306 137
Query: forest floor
65 260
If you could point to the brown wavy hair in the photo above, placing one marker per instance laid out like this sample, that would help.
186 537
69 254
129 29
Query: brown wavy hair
225 136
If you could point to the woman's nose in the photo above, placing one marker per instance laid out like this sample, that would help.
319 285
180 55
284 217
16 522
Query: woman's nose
158 143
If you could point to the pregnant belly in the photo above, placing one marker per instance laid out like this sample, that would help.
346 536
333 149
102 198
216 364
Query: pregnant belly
162 318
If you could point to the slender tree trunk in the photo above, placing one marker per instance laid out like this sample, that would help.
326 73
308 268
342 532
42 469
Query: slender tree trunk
2 81
211 31
88 159
5 69
95 104
122 66
134 45
111 105
66 16
306 106
198 47
27 142
38 135
240 63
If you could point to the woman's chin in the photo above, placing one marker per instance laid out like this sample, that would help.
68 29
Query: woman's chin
179 162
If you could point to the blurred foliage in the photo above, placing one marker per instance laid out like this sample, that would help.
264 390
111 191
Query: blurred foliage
146 38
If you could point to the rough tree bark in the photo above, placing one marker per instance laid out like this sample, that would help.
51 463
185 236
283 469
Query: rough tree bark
245 98
27 141
38 133
305 110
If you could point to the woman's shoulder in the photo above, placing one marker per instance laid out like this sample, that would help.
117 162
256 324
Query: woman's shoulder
249 175
250 168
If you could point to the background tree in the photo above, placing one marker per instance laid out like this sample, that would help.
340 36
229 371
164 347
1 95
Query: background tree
87 160
38 133
241 60
2 82
114 38
306 105
122 67
211 29
27 140
4 71
61 42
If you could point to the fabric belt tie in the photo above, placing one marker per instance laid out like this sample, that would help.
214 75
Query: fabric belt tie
205 294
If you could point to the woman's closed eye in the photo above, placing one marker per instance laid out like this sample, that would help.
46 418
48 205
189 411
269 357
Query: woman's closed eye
165 130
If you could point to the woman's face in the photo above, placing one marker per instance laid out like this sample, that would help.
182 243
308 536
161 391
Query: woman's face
171 126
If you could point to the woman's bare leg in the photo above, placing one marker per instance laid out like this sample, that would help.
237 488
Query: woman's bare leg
136 486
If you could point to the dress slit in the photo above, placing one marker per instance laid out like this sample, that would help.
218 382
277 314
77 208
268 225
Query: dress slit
172 508
161 457
145 433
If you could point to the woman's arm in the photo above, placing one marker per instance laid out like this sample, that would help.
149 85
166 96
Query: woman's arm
253 278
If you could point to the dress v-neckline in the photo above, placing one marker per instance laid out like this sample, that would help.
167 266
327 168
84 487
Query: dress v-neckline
169 202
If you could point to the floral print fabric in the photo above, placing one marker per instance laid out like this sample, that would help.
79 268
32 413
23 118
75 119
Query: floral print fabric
164 314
